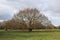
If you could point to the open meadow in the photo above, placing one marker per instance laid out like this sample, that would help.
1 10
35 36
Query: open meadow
35 35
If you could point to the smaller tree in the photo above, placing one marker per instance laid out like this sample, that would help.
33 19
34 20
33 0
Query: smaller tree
58 27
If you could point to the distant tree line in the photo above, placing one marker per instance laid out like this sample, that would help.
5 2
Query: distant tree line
29 19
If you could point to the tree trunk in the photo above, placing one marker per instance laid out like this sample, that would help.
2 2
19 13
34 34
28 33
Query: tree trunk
30 29
6 28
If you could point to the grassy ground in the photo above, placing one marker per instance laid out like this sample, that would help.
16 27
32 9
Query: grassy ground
41 35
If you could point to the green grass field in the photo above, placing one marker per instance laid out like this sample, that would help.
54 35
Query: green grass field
41 35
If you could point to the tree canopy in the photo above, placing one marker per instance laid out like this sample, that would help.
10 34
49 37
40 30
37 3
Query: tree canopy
29 17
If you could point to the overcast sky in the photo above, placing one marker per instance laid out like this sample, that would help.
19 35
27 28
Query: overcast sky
50 8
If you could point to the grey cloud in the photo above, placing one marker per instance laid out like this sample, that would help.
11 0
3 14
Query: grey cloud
5 17
54 5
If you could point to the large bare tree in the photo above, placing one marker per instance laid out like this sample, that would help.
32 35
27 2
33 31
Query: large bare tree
29 17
